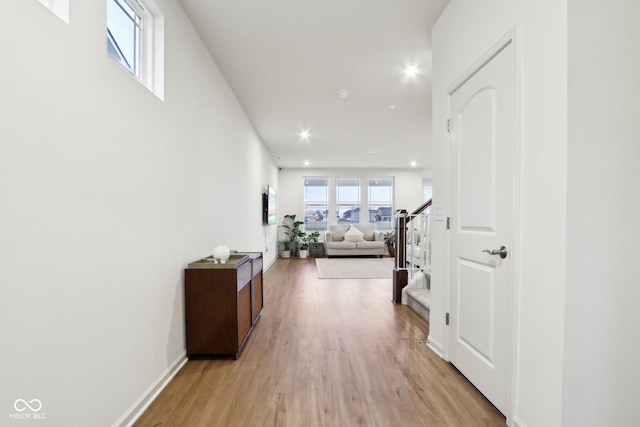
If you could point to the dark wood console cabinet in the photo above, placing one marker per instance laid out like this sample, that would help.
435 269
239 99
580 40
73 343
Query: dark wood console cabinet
257 301
222 304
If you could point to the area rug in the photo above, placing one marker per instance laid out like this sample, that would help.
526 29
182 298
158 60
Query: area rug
354 268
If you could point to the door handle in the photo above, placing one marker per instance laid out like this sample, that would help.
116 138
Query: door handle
502 252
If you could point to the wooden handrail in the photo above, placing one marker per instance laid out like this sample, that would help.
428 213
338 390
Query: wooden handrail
423 207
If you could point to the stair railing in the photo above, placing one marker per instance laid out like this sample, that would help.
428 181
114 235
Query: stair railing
413 246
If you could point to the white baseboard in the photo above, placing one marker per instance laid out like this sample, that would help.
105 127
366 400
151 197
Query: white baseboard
266 267
517 423
142 403
436 348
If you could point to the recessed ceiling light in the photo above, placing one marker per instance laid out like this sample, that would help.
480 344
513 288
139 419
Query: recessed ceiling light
414 163
370 152
304 135
392 107
343 93
411 71
306 163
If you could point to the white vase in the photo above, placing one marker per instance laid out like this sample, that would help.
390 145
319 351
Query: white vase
285 254
222 253
303 253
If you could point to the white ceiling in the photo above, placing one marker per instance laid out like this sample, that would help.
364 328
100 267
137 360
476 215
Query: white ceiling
286 60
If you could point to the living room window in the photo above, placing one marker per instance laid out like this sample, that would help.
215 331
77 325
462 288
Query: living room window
381 202
428 193
135 40
348 200
316 203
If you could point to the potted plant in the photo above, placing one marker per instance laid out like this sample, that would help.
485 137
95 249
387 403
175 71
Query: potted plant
313 237
291 232
304 239
390 241
304 247
285 252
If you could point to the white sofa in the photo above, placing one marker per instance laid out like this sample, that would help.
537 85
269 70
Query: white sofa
372 242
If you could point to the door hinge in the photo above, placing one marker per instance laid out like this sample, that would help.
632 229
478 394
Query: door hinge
446 319
448 223
448 125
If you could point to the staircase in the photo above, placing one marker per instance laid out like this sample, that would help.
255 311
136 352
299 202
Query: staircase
419 300
412 272
417 294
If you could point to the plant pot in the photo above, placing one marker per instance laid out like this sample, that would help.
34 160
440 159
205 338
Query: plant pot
285 254
303 253
392 250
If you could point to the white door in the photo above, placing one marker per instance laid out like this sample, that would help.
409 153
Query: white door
482 143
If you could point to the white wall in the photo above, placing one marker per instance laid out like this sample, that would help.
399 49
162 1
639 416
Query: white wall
464 33
106 193
408 187
602 338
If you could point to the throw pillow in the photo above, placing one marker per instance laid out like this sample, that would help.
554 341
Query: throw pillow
338 231
367 230
354 235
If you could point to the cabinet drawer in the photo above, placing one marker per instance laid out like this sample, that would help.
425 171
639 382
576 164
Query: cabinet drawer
257 265
244 275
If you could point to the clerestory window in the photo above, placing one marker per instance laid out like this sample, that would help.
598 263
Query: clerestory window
135 40
124 31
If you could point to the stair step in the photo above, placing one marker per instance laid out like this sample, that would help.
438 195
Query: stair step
419 299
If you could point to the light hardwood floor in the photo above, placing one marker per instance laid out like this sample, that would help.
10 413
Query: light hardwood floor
327 352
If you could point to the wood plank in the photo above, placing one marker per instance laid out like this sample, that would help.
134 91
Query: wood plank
327 352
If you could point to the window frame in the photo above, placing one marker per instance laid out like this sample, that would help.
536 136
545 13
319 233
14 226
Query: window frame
140 22
352 205
427 189
306 205
150 58
381 225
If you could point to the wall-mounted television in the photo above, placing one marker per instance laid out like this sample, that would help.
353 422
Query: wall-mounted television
269 203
